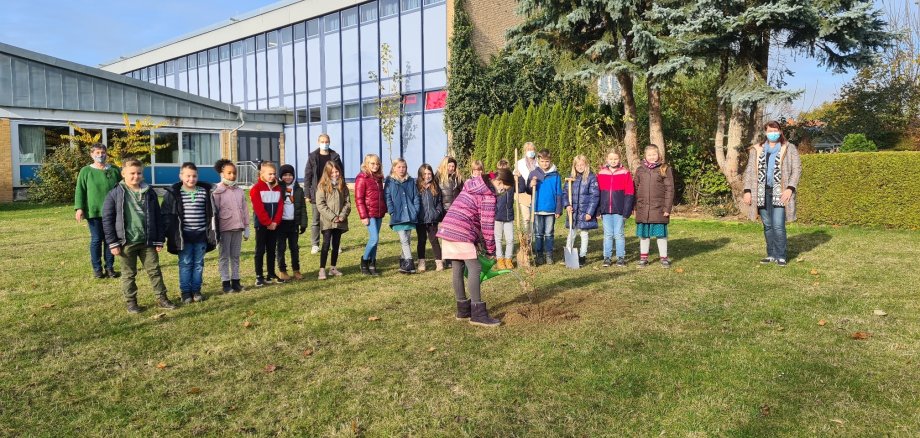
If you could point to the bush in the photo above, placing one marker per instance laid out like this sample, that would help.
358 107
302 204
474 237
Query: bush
876 189
857 143
56 179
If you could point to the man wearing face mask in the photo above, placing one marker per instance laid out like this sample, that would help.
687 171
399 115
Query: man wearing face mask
316 162
93 185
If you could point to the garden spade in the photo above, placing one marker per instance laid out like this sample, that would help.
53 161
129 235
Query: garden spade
571 255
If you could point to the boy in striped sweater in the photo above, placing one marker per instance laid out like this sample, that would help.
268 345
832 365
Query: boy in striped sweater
267 208
188 213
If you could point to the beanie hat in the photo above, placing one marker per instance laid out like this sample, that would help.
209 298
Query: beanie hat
287 168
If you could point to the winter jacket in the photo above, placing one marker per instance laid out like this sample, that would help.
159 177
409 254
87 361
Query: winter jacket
431 208
549 190
300 204
402 201
585 196
790 169
266 203
173 211
312 173
113 218
331 205
449 190
654 195
471 218
618 192
504 206
231 210
369 196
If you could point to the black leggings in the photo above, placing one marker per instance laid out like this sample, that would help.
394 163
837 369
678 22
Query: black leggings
334 237
472 279
428 232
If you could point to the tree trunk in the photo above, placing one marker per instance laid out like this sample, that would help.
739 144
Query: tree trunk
721 118
630 114
655 125
737 125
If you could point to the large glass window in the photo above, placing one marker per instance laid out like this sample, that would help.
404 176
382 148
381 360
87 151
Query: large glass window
368 12
274 70
369 109
351 74
333 112
183 74
331 23
315 115
299 31
300 71
408 5
250 74
301 116
225 78
314 73
261 72
388 7
411 44
171 74
333 64
352 111
412 103
37 142
200 148
203 86
349 18
313 28
214 75
435 39
170 153
287 65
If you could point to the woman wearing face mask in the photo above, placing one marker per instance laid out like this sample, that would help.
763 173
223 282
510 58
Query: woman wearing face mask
94 182
470 223
522 171
770 179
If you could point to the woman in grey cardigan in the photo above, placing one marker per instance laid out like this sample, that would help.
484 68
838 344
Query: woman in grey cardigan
770 180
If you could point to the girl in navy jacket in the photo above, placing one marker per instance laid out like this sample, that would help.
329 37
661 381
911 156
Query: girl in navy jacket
583 205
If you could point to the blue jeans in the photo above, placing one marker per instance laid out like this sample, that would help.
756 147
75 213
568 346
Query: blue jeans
98 247
543 228
774 226
191 266
613 231
373 237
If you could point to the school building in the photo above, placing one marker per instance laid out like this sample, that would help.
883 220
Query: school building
258 87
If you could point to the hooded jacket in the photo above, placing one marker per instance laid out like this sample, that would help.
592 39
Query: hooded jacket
173 211
402 201
471 218
549 190
113 217
298 201
654 195
369 196
231 211
585 196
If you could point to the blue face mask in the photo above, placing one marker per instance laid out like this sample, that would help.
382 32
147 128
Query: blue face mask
773 137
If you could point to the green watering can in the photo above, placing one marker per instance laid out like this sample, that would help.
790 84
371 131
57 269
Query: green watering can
487 271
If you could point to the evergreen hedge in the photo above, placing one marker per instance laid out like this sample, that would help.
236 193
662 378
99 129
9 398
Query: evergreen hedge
861 188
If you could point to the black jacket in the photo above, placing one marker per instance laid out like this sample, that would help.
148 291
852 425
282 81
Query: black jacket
432 208
113 218
312 174
300 210
173 211
504 206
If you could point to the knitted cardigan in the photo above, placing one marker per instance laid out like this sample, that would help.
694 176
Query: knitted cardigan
471 217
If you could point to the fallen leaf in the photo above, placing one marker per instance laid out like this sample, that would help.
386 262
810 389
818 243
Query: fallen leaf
859 336
431 349
879 312
679 270
838 421
822 322
308 352
47 306
194 390
62 263
270 368
158 316
764 410
814 272
247 324
374 318
162 365
816 283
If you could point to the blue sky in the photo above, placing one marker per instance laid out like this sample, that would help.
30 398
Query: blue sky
99 31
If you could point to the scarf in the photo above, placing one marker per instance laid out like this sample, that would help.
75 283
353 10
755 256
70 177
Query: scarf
651 165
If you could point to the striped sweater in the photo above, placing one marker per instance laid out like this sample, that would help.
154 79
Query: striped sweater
471 217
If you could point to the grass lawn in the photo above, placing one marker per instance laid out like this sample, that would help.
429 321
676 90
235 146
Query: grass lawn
716 346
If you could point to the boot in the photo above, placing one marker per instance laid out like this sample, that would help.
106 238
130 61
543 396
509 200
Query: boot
480 316
538 259
164 302
365 266
283 276
132 306
439 265
463 310
298 275
226 286
372 267
549 258
421 265
509 263
236 285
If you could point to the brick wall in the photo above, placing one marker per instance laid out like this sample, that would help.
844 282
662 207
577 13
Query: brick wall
491 19
6 161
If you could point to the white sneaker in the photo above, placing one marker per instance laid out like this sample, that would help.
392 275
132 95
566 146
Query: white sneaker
314 250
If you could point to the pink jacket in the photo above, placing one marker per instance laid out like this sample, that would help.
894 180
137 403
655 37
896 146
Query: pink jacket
471 217
231 211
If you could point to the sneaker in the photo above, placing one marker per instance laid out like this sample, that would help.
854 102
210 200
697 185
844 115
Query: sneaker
538 260
99 274
226 286
621 262
133 307
236 286
276 279
549 258
607 262
268 280
187 300
111 273
322 274
198 297
260 282
642 263
767 260
665 263
781 262
164 303
582 260
314 250
335 272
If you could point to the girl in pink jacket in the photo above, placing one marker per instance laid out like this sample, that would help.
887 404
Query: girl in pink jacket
231 216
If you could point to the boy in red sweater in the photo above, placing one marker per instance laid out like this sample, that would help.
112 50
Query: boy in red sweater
267 209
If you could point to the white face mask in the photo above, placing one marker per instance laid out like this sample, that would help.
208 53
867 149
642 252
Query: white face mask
531 154
227 182
324 146
99 159
334 181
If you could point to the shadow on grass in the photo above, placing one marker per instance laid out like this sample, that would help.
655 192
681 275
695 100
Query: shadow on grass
799 244
688 247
